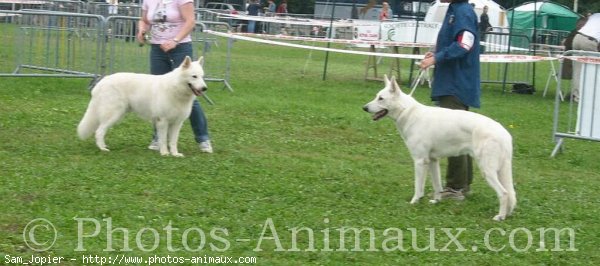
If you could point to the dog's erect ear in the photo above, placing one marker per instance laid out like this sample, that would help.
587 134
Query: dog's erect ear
186 62
395 85
201 60
386 81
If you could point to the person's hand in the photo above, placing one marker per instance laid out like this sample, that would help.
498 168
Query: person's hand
428 54
141 38
427 62
168 45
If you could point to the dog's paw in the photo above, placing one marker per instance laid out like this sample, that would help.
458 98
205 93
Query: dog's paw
414 200
499 218
437 197
177 154
104 149
164 153
434 201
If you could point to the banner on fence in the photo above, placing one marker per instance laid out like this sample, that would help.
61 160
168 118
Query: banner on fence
426 32
366 32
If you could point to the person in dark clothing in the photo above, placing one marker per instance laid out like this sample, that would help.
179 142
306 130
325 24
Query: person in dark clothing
354 11
456 83
253 9
484 24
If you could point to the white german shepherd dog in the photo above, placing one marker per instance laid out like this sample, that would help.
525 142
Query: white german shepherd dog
166 100
431 133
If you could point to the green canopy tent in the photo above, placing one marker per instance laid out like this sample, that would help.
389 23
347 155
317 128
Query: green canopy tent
544 16
542 22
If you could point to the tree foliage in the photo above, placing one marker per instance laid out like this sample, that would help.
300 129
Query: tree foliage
300 6
584 6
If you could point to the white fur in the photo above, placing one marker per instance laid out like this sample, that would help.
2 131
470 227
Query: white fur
166 100
431 133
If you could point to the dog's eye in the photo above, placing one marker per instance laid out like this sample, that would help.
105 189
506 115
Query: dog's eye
195 76
380 98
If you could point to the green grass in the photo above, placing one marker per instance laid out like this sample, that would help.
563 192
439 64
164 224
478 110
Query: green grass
290 148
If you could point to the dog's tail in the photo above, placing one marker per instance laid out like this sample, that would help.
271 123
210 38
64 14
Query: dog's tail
89 123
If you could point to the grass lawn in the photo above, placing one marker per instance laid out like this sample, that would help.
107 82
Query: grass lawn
297 168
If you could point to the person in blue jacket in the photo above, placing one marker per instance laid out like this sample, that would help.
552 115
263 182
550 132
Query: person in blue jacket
253 10
456 81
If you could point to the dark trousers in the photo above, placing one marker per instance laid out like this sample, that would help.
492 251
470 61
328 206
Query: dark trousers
459 174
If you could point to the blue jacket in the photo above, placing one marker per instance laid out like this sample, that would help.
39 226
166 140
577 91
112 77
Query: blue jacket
253 9
457 69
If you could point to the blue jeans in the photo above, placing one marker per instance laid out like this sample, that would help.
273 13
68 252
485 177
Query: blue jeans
251 26
162 63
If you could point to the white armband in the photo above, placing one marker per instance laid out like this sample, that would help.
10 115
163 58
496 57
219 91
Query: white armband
466 40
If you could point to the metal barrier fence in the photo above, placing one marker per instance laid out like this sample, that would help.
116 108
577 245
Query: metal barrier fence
216 52
582 119
209 15
80 7
123 52
60 44
537 36
103 9
290 24
45 43
544 36
505 73
64 6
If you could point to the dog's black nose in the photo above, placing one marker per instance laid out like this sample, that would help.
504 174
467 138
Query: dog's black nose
365 108
204 89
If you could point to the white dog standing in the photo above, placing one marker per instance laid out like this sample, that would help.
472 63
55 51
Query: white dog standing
166 100
431 133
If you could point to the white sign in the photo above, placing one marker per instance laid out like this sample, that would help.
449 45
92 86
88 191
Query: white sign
366 32
405 31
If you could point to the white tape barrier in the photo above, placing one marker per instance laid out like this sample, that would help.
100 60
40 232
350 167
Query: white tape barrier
340 41
20 2
543 46
246 38
486 58
584 59
502 47
288 20
513 58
